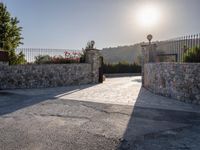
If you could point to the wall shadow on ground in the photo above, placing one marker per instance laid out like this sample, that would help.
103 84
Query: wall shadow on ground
13 100
148 122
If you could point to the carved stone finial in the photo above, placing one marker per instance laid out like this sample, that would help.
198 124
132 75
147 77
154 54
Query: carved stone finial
90 45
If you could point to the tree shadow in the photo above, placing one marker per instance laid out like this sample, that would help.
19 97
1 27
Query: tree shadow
13 100
148 122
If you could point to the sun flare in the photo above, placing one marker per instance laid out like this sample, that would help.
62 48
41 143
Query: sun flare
148 15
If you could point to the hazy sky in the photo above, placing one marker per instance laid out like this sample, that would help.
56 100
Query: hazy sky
71 23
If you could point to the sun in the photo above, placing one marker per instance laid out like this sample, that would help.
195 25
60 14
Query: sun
148 15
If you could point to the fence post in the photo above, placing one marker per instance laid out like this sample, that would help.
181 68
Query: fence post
93 57
149 54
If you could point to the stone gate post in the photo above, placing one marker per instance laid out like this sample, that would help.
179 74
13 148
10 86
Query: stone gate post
148 55
93 58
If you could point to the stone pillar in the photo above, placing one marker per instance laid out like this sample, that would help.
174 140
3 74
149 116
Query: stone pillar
152 53
148 56
145 59
93 58
4 58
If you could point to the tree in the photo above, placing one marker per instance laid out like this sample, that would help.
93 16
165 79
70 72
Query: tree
10 35
192 55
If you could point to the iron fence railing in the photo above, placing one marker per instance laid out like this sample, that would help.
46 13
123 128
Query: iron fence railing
175 49
31 53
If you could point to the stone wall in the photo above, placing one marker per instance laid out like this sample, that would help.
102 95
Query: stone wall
40 76
51 75
4 63
176 80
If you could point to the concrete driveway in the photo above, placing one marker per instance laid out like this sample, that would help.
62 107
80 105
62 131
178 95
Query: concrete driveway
117 114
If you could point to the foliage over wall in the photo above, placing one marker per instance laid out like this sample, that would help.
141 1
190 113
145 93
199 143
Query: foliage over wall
121 67
16 59
69 58
192 55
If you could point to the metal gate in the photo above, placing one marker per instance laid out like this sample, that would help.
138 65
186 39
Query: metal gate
101 70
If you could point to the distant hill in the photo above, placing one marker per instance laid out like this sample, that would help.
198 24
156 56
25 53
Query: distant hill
130 53
121 53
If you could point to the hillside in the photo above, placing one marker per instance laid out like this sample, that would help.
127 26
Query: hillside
121 53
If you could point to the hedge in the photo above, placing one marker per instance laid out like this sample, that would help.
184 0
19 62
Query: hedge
121 67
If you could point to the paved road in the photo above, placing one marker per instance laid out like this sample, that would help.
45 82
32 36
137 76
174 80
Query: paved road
114 115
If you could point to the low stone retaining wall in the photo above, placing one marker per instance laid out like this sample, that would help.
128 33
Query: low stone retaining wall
176 80
40 76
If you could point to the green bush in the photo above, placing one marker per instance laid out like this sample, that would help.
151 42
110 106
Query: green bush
42 59
121 67
46 59
83 56
192 55
16 59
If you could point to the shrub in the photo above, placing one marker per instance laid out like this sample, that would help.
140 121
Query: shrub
41 59
83 56
192 55
72 57
122 67
62 60
16 59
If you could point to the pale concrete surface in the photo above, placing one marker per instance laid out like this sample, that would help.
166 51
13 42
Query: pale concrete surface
90 117
123 91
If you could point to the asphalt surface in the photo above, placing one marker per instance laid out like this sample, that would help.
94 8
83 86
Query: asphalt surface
50 119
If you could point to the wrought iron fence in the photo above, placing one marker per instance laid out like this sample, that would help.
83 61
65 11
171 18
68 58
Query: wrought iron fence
175 49
31 53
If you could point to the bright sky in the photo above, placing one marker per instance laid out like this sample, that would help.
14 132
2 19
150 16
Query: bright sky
71 23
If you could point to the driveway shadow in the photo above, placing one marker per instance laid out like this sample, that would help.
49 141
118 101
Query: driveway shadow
13 100
148 122
150 116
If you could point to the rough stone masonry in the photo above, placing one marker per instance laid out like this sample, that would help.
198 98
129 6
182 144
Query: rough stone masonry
176 80
51 75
